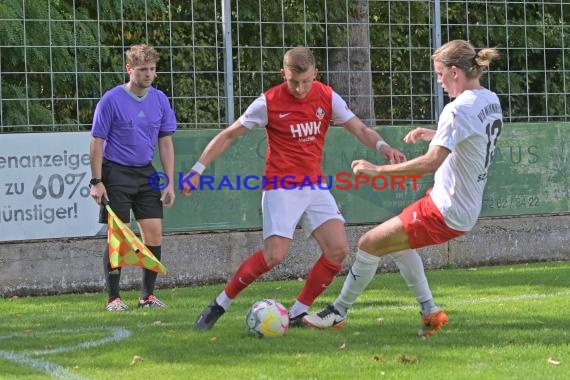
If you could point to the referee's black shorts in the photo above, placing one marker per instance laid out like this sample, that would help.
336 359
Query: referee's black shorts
128 189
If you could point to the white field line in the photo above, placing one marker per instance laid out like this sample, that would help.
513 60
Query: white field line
51 369
54 370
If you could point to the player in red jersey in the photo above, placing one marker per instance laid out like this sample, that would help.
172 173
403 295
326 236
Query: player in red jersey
296 116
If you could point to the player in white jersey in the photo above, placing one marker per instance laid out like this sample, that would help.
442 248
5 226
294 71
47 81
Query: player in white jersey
460 153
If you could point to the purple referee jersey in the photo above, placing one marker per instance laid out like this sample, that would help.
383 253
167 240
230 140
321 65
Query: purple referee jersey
130 125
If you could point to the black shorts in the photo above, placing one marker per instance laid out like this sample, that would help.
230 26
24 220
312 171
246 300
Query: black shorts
128 189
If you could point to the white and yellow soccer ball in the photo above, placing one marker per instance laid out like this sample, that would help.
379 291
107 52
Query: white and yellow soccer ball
267 318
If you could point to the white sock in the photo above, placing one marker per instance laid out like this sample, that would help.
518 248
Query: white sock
223 300
360 274
412 270
298 308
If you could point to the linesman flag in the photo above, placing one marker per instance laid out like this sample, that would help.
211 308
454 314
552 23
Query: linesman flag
125 248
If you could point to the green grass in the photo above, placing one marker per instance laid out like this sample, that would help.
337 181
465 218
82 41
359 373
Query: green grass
505 323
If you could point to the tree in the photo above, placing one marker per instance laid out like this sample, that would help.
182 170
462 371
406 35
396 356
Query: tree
349 58
57 57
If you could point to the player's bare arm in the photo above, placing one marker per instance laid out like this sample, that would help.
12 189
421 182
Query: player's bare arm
213 150
425 164
424 134
371 138
98 190
166 149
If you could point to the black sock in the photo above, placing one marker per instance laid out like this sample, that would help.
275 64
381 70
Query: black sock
149 277
112 276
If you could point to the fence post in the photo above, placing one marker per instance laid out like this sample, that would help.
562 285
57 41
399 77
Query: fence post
228 65
436 42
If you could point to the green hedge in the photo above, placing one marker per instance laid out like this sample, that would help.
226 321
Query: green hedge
77 55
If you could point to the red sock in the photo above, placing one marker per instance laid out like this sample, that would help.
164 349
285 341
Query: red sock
253 267
320 276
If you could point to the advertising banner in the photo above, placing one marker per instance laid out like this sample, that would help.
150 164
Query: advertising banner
44 186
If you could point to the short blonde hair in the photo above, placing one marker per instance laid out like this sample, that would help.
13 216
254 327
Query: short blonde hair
141 54
461 54
299 59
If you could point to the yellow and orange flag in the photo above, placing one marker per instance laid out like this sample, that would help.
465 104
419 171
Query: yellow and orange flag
125 248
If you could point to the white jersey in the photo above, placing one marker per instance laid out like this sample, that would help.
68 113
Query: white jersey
469 127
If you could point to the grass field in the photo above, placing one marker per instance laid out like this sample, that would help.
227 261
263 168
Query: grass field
506 322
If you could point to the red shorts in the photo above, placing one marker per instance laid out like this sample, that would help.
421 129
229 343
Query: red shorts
425 225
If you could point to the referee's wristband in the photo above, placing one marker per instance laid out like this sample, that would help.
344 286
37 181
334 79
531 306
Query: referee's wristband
380 143
199 167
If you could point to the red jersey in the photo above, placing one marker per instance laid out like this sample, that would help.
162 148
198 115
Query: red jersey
296 130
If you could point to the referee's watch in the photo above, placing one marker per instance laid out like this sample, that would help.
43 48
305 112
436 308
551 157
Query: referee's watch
95 181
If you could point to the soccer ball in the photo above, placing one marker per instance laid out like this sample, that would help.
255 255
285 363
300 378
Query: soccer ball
267 318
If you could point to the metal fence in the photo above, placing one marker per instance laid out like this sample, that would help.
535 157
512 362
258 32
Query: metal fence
58 57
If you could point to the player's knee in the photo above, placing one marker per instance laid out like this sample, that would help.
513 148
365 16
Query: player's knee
366 244
152 241
337 254
274 259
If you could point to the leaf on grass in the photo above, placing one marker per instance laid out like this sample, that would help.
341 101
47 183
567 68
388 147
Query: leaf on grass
356 333
213 339
407 359
342 346
377 357
552 360
157 323
136 359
